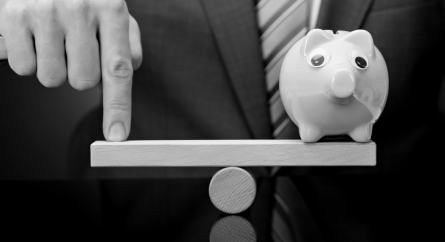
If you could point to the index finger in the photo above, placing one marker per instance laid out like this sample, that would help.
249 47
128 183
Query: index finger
117 72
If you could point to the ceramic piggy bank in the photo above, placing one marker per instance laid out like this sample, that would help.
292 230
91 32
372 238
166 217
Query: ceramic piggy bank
333 84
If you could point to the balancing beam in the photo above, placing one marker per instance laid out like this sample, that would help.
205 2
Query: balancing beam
223 153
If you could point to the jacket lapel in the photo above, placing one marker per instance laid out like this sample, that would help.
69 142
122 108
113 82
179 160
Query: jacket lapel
234 27
346 15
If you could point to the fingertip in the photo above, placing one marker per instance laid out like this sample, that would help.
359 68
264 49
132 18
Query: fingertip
51 82
136 59
81 84
117 132
3 54
23 68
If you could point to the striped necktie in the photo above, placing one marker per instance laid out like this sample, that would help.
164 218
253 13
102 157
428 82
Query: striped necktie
282 23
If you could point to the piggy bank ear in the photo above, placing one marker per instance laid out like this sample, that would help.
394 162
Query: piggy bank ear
314 38
362 39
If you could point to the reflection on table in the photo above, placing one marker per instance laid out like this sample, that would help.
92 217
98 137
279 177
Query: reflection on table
232 228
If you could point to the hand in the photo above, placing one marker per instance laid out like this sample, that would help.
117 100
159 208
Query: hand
84 41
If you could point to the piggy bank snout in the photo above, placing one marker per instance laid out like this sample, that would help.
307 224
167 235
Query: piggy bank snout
342 83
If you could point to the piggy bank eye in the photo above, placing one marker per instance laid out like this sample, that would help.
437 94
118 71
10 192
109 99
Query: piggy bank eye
358 60
318 57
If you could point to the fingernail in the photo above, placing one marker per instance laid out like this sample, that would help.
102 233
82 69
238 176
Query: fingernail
116 132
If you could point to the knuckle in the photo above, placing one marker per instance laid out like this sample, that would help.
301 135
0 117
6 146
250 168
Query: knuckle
120 68
114 5
118 105
77 5
15 11
45 8
79 9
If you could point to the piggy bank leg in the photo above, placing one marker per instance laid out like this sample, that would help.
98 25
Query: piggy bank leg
309 133
362 133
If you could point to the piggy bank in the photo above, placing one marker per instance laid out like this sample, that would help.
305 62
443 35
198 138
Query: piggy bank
333 84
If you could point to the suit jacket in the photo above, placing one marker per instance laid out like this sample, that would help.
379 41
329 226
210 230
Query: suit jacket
202 78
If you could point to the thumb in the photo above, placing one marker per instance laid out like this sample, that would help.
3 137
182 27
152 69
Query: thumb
135 44
3 54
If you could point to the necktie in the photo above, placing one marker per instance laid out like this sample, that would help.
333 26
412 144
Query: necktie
282 23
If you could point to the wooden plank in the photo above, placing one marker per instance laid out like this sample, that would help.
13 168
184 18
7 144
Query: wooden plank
223 153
